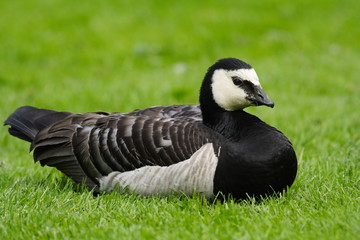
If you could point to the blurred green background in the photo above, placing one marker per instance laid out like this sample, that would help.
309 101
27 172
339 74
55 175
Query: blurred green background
121 55
132 54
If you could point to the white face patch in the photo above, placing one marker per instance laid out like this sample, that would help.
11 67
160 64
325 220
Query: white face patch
246 74
226 94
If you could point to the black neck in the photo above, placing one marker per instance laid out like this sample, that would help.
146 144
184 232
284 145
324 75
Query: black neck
229 124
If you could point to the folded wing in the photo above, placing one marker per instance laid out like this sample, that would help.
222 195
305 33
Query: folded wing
88 146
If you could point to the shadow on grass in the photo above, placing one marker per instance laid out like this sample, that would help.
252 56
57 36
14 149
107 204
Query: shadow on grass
64 184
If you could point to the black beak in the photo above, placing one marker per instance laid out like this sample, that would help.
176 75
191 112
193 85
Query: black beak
261 98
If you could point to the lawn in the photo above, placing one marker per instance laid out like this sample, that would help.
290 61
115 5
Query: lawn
120 55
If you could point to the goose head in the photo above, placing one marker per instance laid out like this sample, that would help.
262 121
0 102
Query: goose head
231 85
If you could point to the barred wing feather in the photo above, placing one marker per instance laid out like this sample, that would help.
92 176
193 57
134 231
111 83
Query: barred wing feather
91 145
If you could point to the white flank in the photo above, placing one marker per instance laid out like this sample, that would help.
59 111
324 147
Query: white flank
195 174
226 94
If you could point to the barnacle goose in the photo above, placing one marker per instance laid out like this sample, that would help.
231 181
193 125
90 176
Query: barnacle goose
211 148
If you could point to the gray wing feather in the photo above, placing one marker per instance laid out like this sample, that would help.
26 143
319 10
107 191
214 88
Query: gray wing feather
95 143
90 145
172 111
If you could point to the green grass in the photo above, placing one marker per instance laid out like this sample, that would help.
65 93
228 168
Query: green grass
121 55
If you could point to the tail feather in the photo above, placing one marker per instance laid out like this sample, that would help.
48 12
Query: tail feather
52 147
27 121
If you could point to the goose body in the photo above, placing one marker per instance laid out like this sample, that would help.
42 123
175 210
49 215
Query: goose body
211 148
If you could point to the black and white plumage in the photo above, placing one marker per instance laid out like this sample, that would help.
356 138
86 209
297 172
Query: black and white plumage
211 148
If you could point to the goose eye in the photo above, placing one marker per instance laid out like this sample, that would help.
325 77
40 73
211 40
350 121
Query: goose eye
237 81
